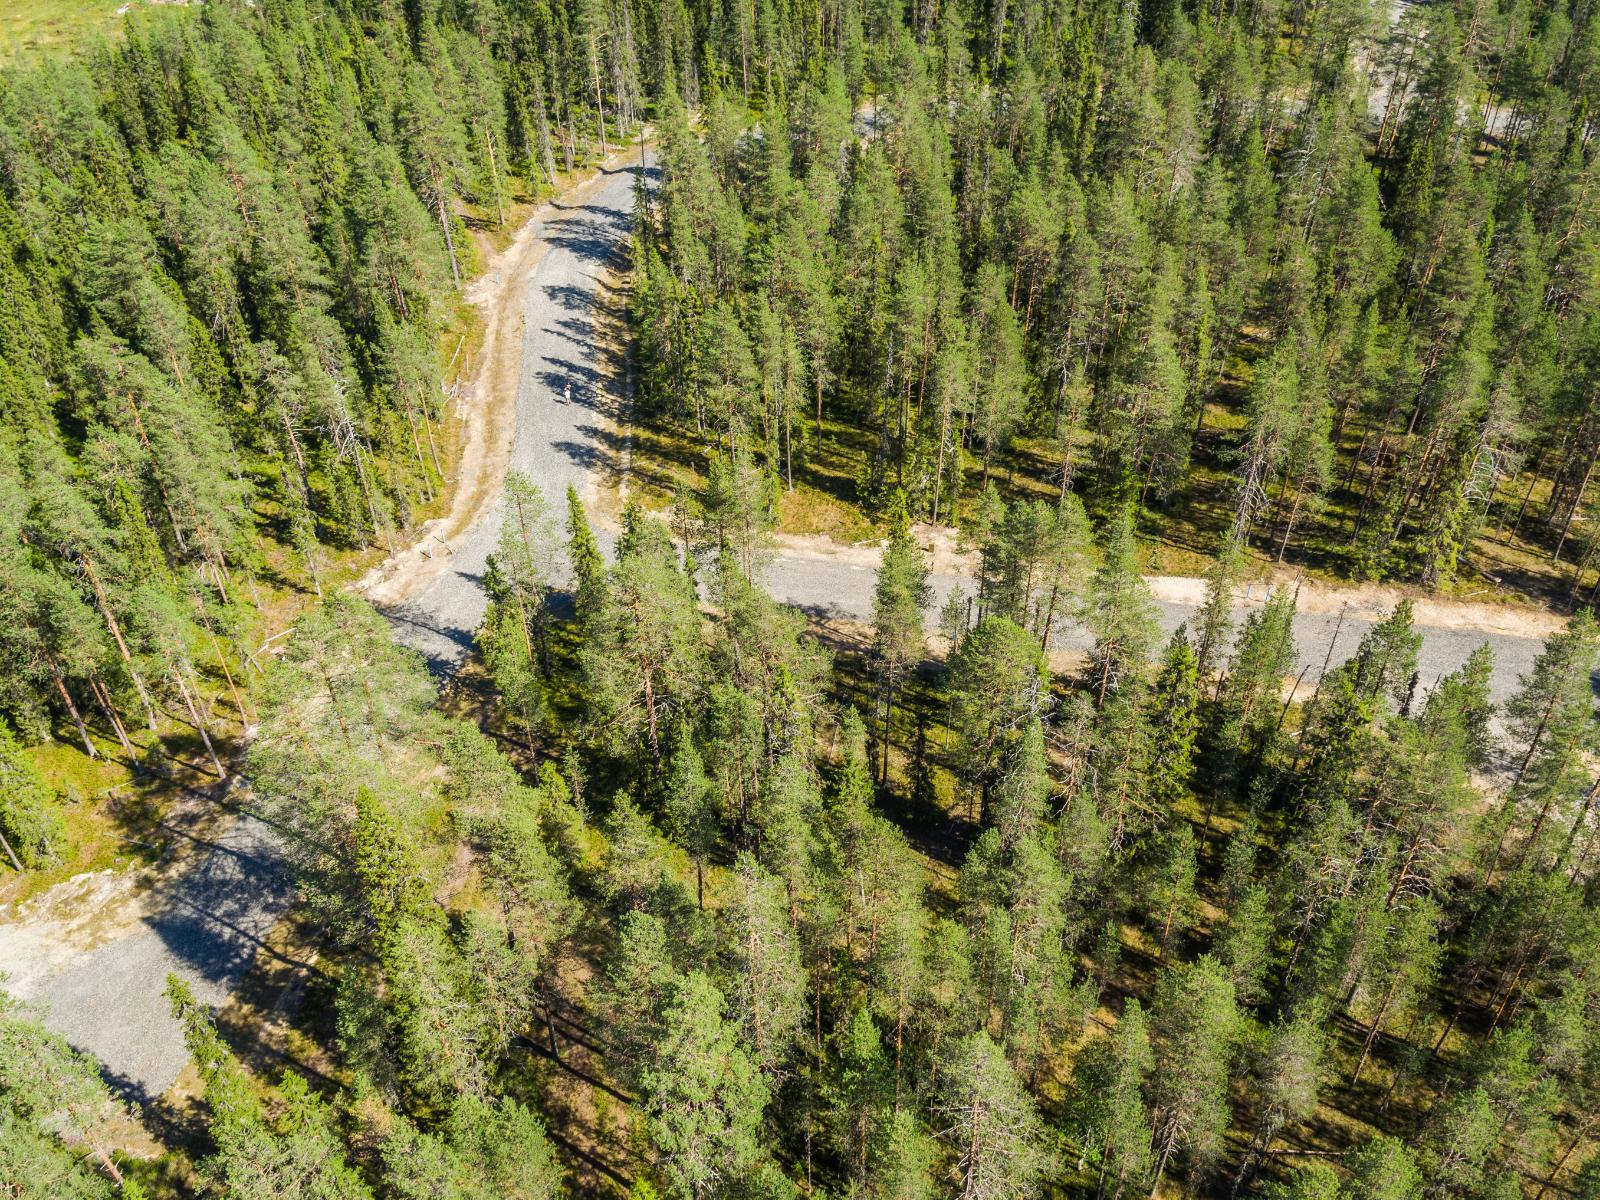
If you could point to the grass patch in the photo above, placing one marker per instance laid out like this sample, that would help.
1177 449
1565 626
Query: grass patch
809 511
29 28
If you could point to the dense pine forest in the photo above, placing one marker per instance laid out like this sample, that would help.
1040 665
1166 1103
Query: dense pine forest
1313 277
675 892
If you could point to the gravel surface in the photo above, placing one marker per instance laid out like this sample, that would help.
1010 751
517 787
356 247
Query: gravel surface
94 953
844 590
556 441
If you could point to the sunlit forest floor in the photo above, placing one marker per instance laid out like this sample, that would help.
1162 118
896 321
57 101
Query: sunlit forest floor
1506 563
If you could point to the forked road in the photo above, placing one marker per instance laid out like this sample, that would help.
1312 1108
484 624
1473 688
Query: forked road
556 442
93 953
95 956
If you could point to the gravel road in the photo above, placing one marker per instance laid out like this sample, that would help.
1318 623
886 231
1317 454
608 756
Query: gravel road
844 591
95 953
557 440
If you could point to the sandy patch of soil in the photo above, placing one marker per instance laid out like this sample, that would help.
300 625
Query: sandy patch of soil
942 545
1372 601
39 936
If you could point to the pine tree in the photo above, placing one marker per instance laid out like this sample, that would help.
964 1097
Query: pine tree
1552 715
1244 944
766 991
991 1123
1286 1071
692 808
639 978
1194 1027
1109 1081
997 687
1214 630
1119 613
1384 1169
297 1155
390 878
1171 894
642 661
901 596
487 1150
1401 973
56 1113
702 1095
31 831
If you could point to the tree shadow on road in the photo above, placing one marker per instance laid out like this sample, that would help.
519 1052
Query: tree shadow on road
569 296
443 647
598 236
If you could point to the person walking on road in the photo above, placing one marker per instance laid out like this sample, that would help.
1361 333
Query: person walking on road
566 391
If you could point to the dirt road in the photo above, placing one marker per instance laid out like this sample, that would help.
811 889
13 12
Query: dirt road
539 407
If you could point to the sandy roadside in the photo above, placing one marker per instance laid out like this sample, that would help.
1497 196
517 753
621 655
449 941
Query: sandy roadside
486 406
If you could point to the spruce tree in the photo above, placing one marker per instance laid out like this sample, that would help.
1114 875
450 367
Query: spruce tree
692 808
1174 721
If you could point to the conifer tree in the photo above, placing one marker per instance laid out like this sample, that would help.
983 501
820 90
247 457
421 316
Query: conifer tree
56 1113
1171 895
1552 717
1118 612
1214 623
1244 944
583 554
997 688
766 990
991 1123
299 1154
1195 1027
31 831
1109 1081
642 661
703 1096
899 600
1286 1070
1174 721
692 808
